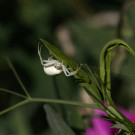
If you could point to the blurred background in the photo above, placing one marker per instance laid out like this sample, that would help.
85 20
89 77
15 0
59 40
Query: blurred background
80 28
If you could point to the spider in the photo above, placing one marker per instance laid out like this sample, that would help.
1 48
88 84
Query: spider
54 67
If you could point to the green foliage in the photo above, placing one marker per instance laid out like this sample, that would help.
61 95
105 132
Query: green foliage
106 59
85 81
28 99
57 124
21 26
123 132
105 62
90 86
120 126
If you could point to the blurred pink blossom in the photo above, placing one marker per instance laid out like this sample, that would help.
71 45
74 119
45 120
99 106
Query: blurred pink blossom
101 126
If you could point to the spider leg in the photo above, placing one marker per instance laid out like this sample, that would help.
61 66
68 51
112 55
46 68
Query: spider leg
66 71
72 73
39 53
50 58
49 63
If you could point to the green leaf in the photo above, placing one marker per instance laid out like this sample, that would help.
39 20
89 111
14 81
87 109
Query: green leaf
114 112
123 132
106 58
120 126
57 124
83 78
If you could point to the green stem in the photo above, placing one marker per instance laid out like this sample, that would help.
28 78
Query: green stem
41 100
14 93
93 106
17 77
14 106
130 126
28 100
94 78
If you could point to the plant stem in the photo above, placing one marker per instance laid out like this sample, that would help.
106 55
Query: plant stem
94 77
130 126
14 106
12 92
93 106
41 100
17 77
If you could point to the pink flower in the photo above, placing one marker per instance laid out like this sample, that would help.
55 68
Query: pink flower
101 126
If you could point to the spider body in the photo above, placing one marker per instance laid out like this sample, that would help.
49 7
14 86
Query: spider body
54 67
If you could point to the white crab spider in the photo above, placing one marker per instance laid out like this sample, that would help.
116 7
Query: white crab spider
54 67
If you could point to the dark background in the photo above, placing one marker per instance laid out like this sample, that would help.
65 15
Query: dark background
80 28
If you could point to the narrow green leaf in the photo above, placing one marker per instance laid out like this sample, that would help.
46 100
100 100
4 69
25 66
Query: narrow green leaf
106 58
114 112
120 126
57 124
83 78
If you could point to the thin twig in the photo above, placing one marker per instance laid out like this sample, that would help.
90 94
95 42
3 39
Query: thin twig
12 92
41 100
93 77
14 106
17 77
93 106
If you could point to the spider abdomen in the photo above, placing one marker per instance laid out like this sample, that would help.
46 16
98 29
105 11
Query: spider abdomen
52 70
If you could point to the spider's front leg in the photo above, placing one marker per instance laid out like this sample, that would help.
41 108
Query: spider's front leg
39 53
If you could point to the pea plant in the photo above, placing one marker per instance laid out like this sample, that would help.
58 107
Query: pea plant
98 87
